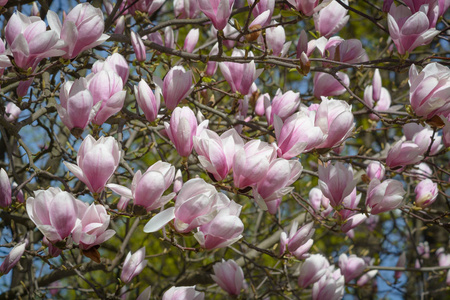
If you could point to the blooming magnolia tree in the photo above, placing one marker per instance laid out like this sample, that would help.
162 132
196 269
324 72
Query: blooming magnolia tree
208 149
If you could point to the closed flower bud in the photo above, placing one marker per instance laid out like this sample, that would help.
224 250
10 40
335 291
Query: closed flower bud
351 266
376 170
177 86
229 276
12 258
5 189
191 40
138 46
133 265
330 19
326 85
184 293
426 193
148 101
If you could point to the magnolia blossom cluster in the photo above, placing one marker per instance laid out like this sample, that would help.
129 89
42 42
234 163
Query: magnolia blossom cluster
328 282
58 215
199 206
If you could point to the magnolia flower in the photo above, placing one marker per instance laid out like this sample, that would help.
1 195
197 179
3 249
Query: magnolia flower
229 276
408 30
12 258
82 29
96 162
133 265
183 293
384 196
429 90
91 226
336 182
54 212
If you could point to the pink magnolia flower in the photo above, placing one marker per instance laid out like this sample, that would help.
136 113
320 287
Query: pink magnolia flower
12 258
347 51
3 2
223 230
326 85
299 241
408 30
283 105
422 137
133 265
216 153
147 189
384 196
218 11
186 9
12 112
178 181
229 276
376 96
197 203
366 277
211 66
5 189
319 202
307 7
182 129
296 135
240 76
29 40
191 40
330 19
351 266
349 204
336 182
146 6
138 46
177 85
404 153
96 162
330 286
259 106
106 87
336 120
82 29
148 101
183 292
77 105
429 90
120 25
352 222
312 270
276 40
146 294
91 227
426 193
376 170
262 6
54 212
250 164
276 183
